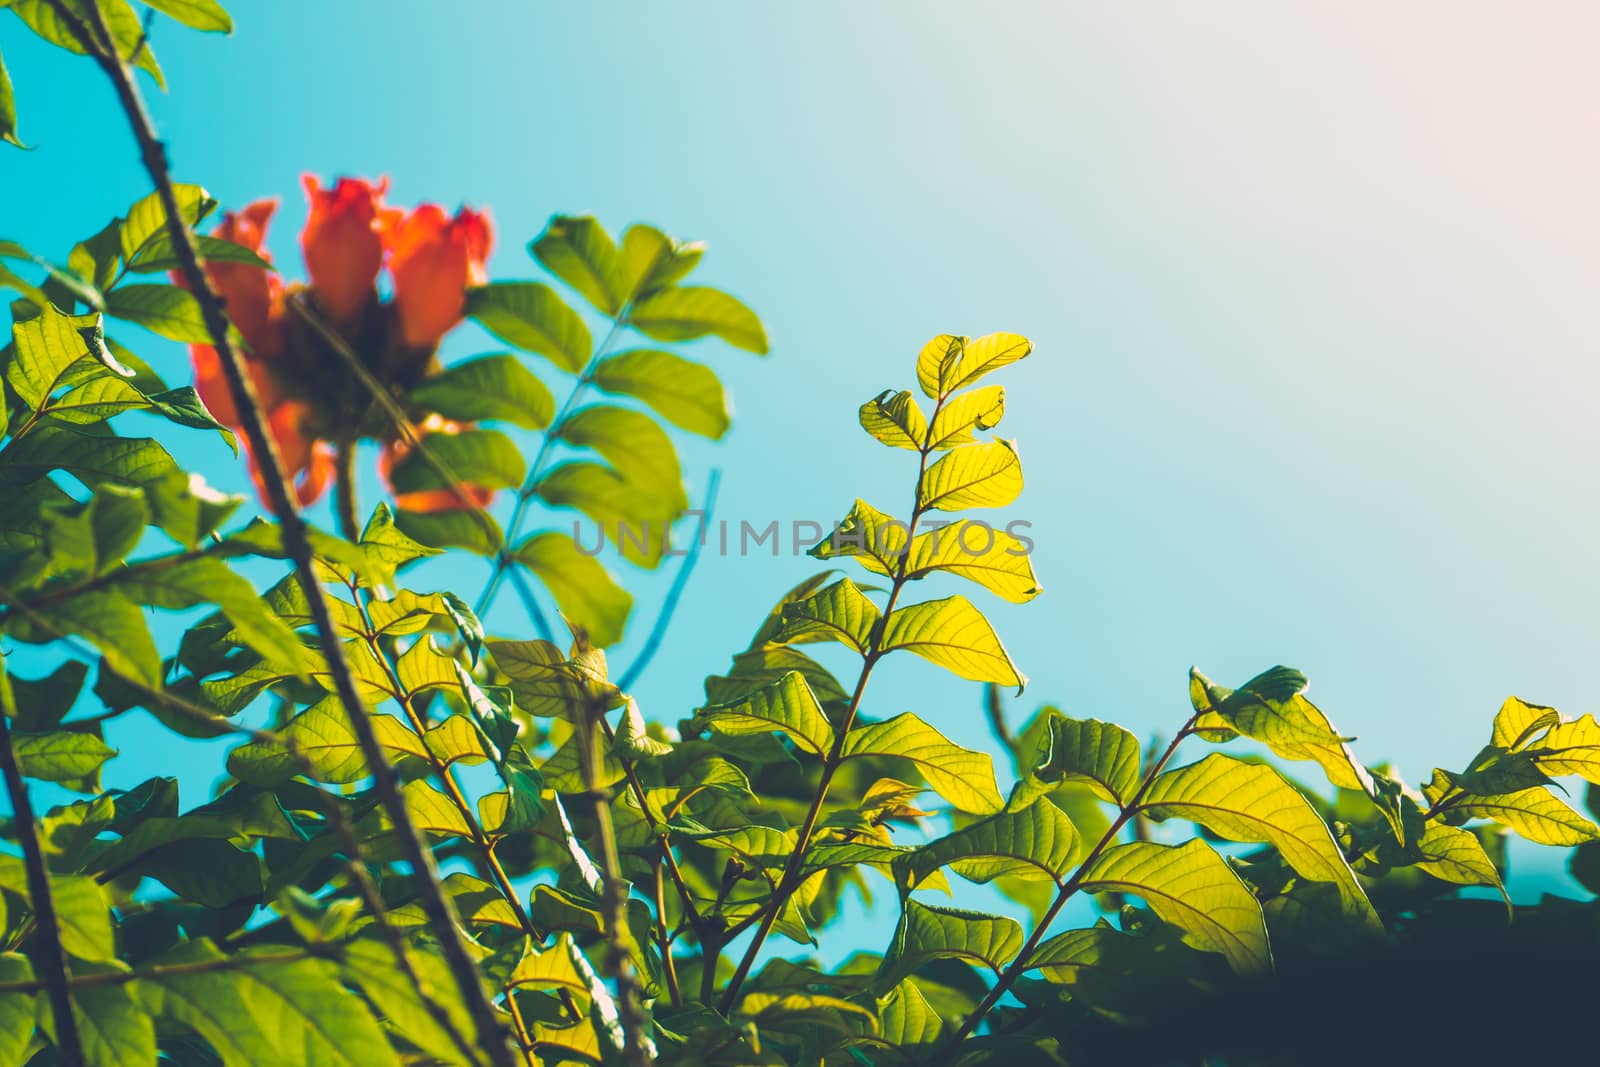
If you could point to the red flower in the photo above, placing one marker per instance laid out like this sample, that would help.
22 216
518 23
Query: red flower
434 258
463 497
253 298
341 244
307 462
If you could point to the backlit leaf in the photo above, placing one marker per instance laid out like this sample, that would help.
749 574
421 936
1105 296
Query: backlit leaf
955 635
963 777
1194 889
1038 842
584 590
927 933
980 409
630 441
577 249
840 612
983 475
787 706
1253 802
895 419
1100 754
489 387
1533 813
164 310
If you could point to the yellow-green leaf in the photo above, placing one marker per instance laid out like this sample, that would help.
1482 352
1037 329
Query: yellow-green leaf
1571 747
895 419
1037 843
683 313
685 393
1453 854
1102 755
1517 722
1253 802
1194 889
987 474
963 777
840 612
1534 813
584 590
980 409
785 706
927 933
956 636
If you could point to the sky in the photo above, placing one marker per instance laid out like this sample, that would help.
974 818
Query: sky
1310 287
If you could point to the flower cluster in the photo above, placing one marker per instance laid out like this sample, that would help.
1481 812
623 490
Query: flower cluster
312 403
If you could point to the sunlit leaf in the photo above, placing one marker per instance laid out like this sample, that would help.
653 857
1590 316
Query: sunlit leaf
584 590
955 635
980 409
489 387
1037 842
927 933
963 777
1253 802
577 249
895 419
987 474
530 316
787 706
1194 889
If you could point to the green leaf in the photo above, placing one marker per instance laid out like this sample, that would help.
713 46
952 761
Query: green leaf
114 1031
685 393
1518 723
1101 755
322 734
204 15
46 346
584 590
147 218
8 108
955 635
634 517
1533 813
684 313
785 706
1037 843
530 316
210 581
895 419
1455 855
1194 889
165 310
490 387
980 409
61 755
631 441
963 777
949 363
651 260
158 255
371 965
264 1009
17 1010
840 612
127 31
81 909
1571 747
927 933
1272 708
443 529
983 475
485 458
1253 802
113 624
805 1013
187 508
577 249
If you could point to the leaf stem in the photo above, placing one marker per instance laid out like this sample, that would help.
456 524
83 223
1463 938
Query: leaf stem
52 958
96 40
344 492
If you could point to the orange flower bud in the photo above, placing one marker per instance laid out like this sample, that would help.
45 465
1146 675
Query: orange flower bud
463 497
434 258
341 244
307 462
250 293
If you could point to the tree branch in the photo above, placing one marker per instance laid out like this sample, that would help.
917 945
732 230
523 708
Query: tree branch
52 958
95 38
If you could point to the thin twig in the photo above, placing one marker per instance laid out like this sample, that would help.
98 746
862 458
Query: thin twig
680 581
95 38
52 958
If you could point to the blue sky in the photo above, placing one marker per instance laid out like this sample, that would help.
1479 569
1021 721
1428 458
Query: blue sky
1310 289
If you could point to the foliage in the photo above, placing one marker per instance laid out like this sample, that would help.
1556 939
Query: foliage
615 882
